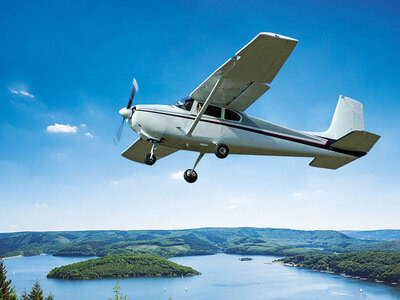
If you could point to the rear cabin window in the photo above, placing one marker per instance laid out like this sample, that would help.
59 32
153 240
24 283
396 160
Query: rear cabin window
231 115
213 111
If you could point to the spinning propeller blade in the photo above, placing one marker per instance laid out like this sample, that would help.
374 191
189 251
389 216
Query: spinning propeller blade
117 135
134 90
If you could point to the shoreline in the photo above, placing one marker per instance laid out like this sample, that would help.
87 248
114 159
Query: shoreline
9 257
16 256
341 274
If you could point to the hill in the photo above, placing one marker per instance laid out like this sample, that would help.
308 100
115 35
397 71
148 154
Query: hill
391 246
122 266
373 265
168 243
376 235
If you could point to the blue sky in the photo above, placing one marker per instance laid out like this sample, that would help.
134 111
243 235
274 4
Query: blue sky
72 62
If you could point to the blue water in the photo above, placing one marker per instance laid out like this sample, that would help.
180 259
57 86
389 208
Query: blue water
223 277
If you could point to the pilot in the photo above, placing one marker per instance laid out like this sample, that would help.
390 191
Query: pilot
198 108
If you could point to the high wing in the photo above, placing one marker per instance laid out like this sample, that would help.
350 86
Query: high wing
244 76
140 148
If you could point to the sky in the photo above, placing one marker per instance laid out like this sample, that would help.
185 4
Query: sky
66 69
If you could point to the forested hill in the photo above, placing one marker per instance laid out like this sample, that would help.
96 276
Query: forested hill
373 265
122 266
377 235
168 243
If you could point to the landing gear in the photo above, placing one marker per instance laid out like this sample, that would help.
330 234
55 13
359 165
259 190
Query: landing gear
150 158
221 150
190 175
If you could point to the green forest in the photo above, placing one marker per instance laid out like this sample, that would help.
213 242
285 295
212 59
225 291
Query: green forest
169 243
373 265
122 266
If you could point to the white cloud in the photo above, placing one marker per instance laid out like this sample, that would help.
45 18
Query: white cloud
177 175
61 155
40 204
298 195
13 226
115 182
88 134
21 92
83 125
61 128
232 207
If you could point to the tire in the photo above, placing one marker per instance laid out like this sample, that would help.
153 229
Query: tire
148 160
190 175
221 150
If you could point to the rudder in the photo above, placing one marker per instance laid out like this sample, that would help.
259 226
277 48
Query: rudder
348 117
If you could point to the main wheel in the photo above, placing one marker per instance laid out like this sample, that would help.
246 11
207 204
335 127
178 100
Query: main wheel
221 150
190 175
149 160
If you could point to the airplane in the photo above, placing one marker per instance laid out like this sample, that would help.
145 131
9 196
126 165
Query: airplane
213 119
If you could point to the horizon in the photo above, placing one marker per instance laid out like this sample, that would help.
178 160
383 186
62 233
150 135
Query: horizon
194 228
67 69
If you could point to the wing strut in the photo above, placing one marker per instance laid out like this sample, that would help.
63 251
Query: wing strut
205 105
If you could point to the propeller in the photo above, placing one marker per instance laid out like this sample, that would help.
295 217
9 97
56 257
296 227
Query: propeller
126 112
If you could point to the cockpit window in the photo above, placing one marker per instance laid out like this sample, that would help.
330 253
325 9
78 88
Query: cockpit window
185 103
231 115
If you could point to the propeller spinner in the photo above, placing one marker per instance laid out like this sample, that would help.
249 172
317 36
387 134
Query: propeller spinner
127 111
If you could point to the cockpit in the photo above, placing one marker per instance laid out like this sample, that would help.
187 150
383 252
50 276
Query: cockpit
212 110
185 103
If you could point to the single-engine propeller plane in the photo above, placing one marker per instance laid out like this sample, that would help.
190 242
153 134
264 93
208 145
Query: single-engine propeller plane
212 118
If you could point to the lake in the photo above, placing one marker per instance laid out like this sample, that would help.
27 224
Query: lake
223 277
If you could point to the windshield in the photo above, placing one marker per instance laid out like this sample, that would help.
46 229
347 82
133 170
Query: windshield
185 103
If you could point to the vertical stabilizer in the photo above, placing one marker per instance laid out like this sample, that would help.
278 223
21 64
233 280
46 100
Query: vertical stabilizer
348 117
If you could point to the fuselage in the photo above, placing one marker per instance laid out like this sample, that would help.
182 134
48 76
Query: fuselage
243 133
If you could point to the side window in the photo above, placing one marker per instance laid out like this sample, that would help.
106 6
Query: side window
213 111
231 115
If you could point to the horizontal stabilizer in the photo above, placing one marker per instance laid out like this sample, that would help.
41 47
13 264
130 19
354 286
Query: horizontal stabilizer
140 148
331 162
357 141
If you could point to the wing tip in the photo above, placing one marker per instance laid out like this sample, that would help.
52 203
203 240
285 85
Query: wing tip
279 36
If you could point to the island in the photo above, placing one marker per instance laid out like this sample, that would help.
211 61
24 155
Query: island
381 266
122 266
245 258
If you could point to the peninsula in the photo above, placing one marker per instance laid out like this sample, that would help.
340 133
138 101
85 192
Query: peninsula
381 266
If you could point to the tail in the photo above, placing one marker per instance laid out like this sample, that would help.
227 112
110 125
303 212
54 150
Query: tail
347 129
348 117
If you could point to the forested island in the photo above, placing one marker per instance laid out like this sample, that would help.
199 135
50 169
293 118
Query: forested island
245 259
122 266
381 266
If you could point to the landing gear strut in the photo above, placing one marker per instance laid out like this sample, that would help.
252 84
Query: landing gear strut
150 158
190 175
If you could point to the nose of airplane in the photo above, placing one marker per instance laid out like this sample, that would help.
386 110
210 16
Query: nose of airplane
126 112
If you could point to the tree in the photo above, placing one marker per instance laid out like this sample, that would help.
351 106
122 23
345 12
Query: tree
118 295
36 292
7 292
24 295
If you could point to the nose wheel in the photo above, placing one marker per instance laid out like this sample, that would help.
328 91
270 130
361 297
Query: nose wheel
150 158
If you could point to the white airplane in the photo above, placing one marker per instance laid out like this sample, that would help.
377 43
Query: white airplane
212 118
